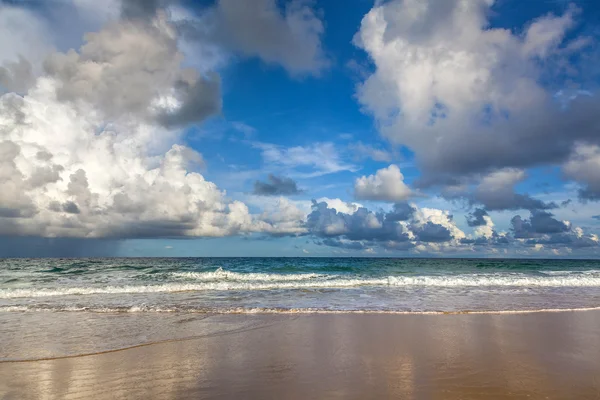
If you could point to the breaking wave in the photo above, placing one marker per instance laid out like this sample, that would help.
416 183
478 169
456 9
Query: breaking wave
223 280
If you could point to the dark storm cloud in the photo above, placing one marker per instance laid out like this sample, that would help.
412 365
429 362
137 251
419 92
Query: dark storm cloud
539 223
513 201
276 186
400 212
200 98
589 192
71 208
362 225
565 240
372 228
476 217
432 233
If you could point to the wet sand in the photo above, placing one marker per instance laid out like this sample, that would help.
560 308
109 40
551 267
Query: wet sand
489 356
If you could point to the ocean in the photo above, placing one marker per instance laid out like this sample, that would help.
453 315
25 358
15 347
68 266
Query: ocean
286 285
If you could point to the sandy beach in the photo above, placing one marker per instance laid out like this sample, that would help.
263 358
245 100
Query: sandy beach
126 356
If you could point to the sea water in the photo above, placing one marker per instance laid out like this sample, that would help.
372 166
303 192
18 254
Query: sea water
271 285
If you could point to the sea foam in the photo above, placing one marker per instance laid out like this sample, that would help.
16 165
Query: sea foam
222 280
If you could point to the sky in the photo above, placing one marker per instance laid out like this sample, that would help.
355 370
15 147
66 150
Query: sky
400 128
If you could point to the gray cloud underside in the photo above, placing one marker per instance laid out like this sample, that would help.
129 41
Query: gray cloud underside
276 186
289 36
365 229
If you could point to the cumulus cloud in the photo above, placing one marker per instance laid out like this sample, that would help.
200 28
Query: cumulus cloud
467 98
541 230
482 222
386 184
133 68
276 186
429 230
540 223
404 227
91 149
477 217
339 205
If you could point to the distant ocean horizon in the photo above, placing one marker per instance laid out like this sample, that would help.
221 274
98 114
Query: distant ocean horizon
298 284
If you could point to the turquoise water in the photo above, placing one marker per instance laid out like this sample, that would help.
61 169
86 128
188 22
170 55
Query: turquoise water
296 284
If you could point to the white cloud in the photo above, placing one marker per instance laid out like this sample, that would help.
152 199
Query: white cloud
386 184
465 97
340 205
87 152
323 158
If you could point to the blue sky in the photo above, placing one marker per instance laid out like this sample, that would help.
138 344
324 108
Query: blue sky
446 109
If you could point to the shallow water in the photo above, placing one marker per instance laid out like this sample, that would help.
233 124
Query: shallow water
250 285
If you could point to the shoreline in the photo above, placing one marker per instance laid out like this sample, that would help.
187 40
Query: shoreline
298 311
535 355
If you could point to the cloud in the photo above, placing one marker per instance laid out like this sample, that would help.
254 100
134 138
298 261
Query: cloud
340 205
477 217
18 62
496 191
322 157
16 76
584 167
543 229
276 186
433 231
134 68
538 224
365 225
362 151
247 130
386 184
401 212
92 149
470 99
142 9
290 37
403 228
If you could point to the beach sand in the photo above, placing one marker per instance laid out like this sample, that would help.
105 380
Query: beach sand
333 356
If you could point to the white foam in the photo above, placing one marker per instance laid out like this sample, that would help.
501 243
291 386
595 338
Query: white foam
260 310
229 281
220 274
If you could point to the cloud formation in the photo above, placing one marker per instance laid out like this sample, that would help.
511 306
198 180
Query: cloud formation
469 99
433 231
92 150
290 37
387 184
404 227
